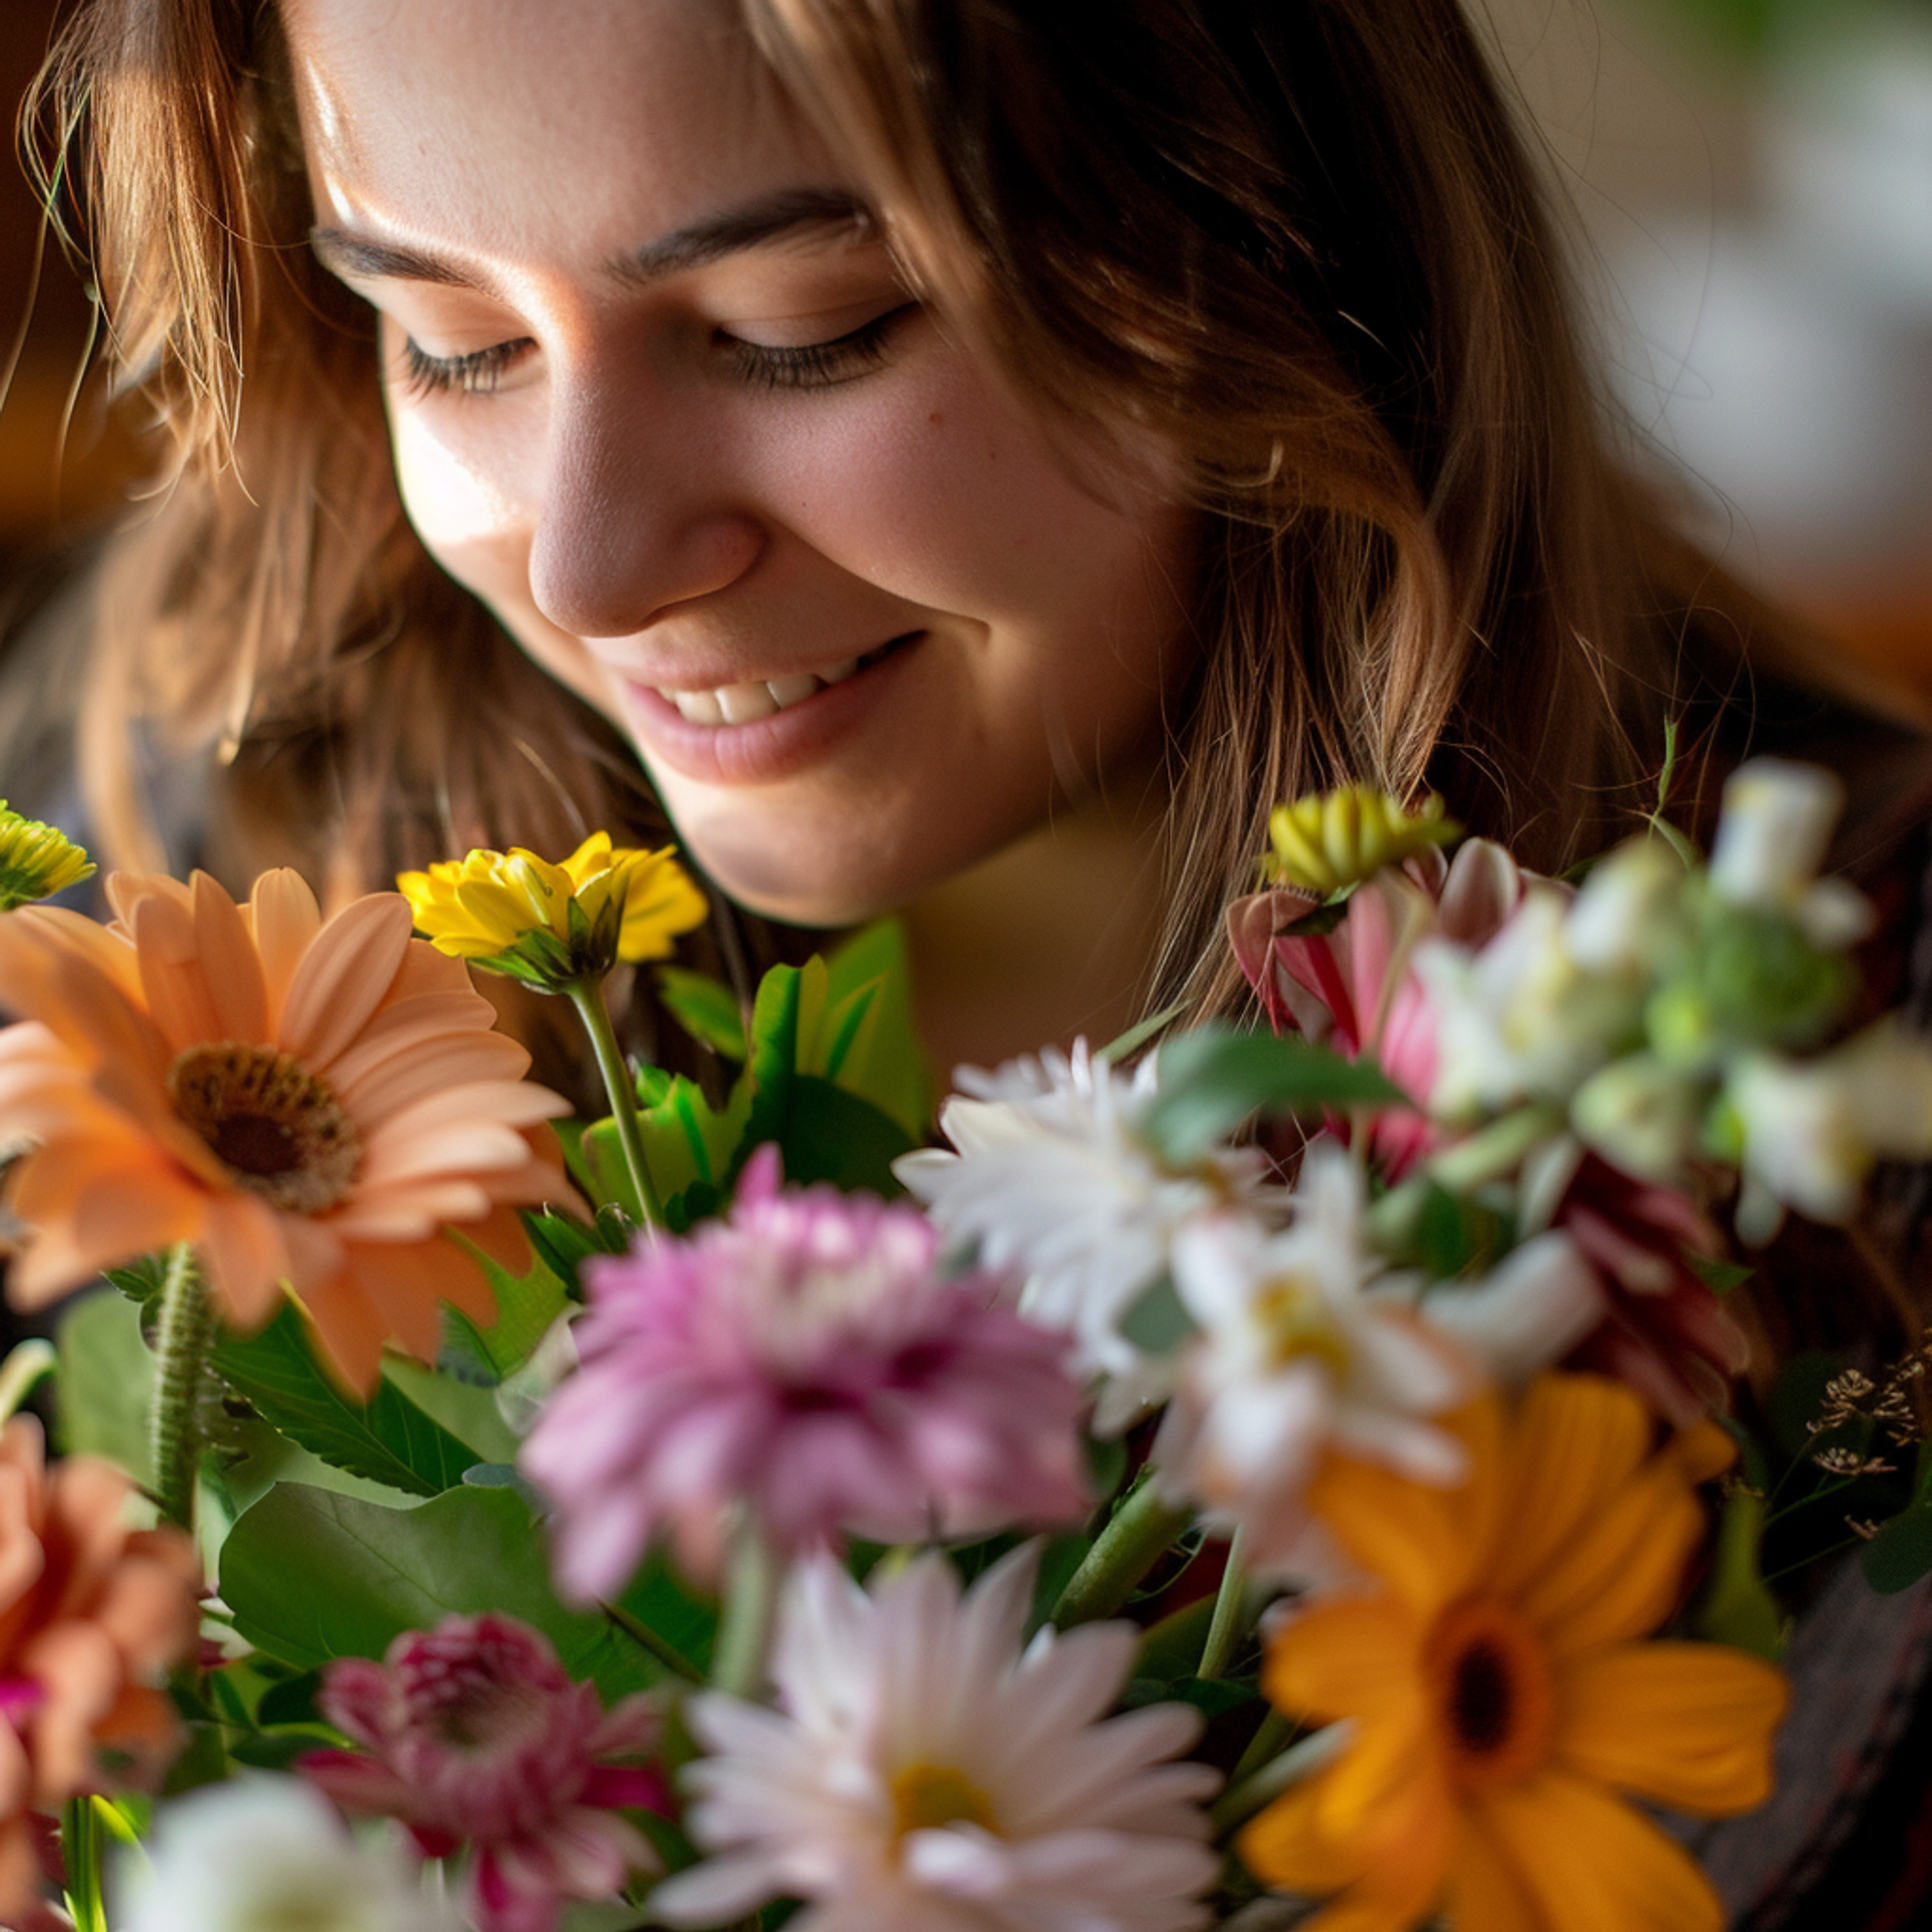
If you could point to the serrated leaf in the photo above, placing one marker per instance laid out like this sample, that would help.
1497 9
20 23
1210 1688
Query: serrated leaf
141 1279
311 1576
387 1440
1214 1078
705 1007
889 1066
526 1305
1900 1553
689 1145
106 1376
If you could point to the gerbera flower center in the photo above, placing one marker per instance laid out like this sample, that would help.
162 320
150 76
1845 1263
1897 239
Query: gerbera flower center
1292 1314
274 1126
928 1797
1495 1695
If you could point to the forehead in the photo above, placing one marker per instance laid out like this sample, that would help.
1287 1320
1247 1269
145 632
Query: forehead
538 128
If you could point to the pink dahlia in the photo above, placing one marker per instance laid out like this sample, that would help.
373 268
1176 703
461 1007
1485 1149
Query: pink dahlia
806 1357
473 1731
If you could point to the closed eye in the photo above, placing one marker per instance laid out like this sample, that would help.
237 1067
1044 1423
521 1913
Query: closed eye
476 373
817 365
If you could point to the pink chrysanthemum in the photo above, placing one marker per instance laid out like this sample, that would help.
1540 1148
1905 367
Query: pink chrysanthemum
804 1356
473 1731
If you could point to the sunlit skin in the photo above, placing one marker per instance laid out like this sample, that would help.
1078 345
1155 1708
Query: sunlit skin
660 398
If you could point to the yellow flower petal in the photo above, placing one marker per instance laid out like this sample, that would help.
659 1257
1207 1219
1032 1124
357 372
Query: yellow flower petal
1285 1846
1486 1893
1352 1657
1594 1865
1687 1724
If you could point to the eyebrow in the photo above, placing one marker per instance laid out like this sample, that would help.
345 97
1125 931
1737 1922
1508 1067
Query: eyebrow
787 215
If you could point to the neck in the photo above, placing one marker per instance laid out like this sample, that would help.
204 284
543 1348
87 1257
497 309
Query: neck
1050 938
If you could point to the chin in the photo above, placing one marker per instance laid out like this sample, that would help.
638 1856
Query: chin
821 891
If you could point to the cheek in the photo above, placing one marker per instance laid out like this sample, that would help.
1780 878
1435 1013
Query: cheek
459 496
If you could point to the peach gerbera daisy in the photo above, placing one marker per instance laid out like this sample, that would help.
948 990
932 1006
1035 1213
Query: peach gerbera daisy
311 1102
91 1614
1500 1698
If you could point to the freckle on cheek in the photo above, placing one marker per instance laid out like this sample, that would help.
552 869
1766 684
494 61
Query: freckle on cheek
937 419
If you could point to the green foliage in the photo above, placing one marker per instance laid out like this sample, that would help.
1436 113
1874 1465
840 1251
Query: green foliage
389 1439
1214 1078
1901 1552
106 1376
705 1008
310 1575
833 1074
526 1304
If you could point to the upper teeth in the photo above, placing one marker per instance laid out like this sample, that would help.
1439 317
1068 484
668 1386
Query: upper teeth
741 703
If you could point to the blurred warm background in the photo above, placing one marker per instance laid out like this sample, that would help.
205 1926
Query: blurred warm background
1753 181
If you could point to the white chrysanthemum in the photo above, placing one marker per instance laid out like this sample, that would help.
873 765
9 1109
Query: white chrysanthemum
923 1772
1052 1179
1812 1129
1292 1355
1520 1018
264 1855
1776 826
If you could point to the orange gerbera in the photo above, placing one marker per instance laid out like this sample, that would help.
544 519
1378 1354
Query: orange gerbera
1499 1697
92 1612
311 1102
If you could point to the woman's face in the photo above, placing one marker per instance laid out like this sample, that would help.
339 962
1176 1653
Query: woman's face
659 398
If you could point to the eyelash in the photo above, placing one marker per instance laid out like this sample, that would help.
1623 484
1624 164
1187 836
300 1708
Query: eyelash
812 365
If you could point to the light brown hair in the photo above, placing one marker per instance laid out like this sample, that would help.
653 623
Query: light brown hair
1299 241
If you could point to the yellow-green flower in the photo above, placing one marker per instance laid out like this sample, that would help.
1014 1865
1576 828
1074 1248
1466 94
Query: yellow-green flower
36 860
1328 842
554 926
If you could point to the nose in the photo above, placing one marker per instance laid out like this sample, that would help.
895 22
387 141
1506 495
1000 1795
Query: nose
641 510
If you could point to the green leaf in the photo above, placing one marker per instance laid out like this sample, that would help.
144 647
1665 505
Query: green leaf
1900 1553
311 1576
1124 1047
1738 1607
1211 1695
829 1134
526 1305
889 1066
1457 1235
1213 1078
468 1410
390 1440
106 1378
705 1008
1158 1320
1717 1274
140 1280
694 1151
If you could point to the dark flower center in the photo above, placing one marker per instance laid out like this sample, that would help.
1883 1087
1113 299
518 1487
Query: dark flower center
275 1127
1494 1697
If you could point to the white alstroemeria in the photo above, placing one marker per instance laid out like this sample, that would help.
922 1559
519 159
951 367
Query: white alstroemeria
1642 1115
923 1771
264 1854
1812 1129
1520 1018
1630 916
1051 1180
1772 838
1293 1355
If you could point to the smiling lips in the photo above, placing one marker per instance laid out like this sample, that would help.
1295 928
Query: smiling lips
745 703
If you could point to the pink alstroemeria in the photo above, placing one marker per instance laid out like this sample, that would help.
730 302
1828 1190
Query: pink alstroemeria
805 1357
1351 989
473 1731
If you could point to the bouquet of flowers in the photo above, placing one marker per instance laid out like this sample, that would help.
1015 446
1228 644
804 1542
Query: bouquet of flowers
1239 1473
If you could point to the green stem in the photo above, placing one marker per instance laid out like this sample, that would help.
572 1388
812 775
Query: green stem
751 1598
1239 1802
1271 1734
1128 1548
80 1853
1224 1632
587 997
183 1339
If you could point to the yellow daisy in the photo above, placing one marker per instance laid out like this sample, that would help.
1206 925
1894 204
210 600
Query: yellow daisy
1329 841
551 924
36 860
1500 1697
